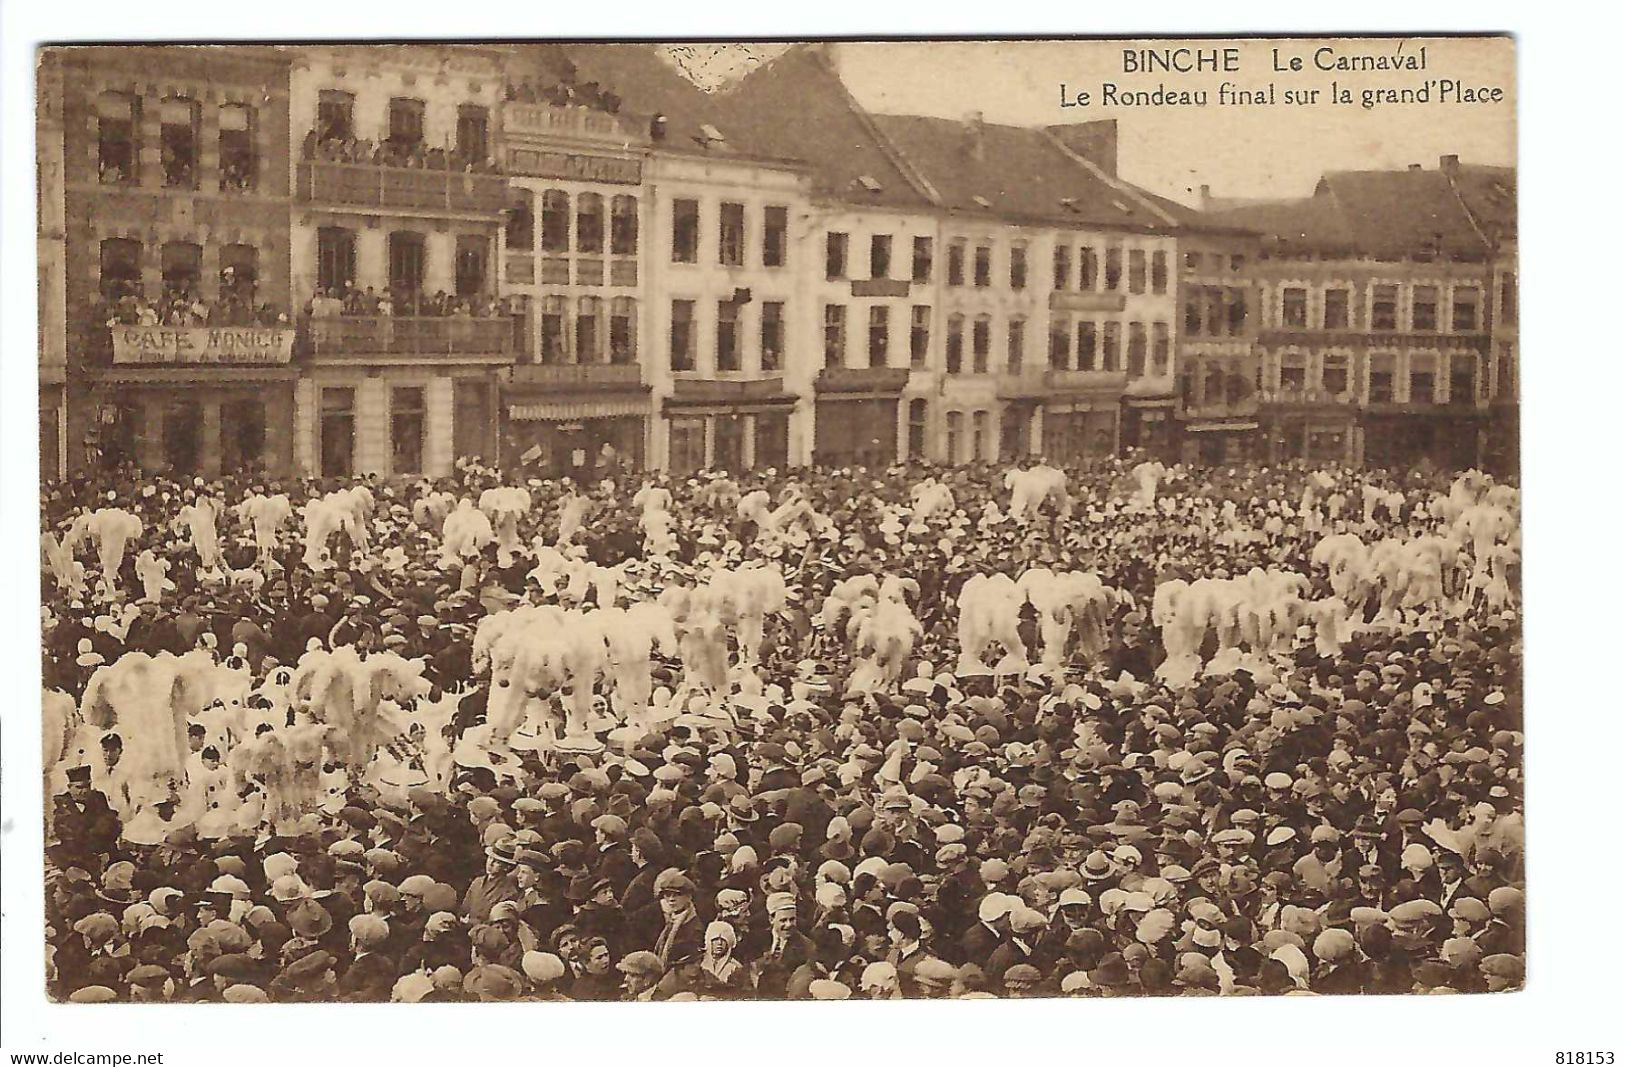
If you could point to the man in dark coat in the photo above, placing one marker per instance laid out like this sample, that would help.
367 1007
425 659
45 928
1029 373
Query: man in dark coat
86 827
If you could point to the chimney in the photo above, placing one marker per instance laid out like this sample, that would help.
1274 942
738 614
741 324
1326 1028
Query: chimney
1451 164
657 128
975 136
1206 196
1414 167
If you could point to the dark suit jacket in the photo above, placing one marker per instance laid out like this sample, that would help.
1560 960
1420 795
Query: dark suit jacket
370 978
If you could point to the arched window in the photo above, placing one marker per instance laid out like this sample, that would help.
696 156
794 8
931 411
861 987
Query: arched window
115 137
590 223
521 224
120 268
182 267
623 330
588 344
623 226
555 221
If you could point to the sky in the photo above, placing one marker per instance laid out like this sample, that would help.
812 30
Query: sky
1237 150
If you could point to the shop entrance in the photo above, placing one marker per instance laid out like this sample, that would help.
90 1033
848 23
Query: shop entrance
242 435
183 442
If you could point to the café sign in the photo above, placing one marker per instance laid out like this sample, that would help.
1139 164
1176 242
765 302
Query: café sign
573 166
201 344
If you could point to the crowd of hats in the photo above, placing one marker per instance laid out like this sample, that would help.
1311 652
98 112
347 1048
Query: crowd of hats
1349 824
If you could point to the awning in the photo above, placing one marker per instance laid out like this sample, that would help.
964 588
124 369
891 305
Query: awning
576 410
1199 427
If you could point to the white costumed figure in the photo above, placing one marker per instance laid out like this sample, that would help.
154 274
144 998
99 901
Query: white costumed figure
745 597
199 519
655 519
1147 477
265 515
504 506
572 516
633 635
112 530
429 511
929 499
702 639
1068 601
989 614
1032 488
153 573
68 572
464 534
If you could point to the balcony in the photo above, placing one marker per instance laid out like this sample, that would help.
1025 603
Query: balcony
1305 398
861 380
355 338
1244 407
364 185
873 287
728 391
519 268
577 375
1066 300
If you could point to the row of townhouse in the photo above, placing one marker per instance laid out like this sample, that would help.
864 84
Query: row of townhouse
569 258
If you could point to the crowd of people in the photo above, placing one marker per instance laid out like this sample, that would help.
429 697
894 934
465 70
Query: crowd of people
370 303
565 92
181 305
1329 822
333 146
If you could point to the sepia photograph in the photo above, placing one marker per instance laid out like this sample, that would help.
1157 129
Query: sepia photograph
549 521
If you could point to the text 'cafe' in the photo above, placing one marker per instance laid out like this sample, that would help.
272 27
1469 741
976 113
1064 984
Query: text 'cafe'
194 400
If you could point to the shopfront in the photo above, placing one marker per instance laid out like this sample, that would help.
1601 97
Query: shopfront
855 416
727 425
1149 426
1311 433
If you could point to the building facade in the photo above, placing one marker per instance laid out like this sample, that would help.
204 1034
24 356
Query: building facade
1217 347
398 210
51 245
176 258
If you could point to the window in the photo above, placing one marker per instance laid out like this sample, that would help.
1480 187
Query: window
1380 380
473 133
471 273
1423 374
406 262
981 423
1294 372
1236 310
1112 348
954 436
589 347
1088 269
879 334
1509 297
120 268
922 259
916 428
553 341
1463 377
687 445
555 221
337 406
834 335
1088 345
1464 309
590 224
1016 344
181 267
984 266
236 148
1193 261
682 335
685 231
1159 272
1063 266
623 226
177 142
623 330
727 336
919 335
239 273
1018 265
1334 374
1213 299
731 235
115 137
956 263
1161 349
956 344
1237 262
1506 372
335 259
981 340
1060 344
772 335
1385 307
1294 308
1335 315
335 115
1136 270
1193 314
405 122
519 224
1114 269
879 256
406 426
1424 308
775 235
834 256
1136 350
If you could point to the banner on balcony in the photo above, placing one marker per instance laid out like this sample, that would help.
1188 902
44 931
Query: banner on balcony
201 344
